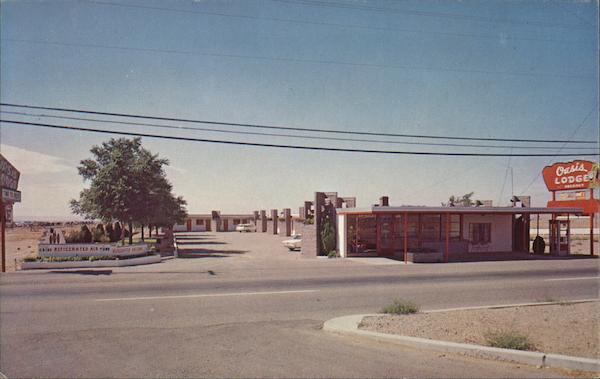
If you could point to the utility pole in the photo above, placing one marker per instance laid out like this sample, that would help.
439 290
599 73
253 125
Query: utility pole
512 183
3 227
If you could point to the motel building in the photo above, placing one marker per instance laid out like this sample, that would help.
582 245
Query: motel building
214 221
443 234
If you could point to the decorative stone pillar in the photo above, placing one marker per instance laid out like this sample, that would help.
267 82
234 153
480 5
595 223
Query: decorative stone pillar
263 221
287 214
275 218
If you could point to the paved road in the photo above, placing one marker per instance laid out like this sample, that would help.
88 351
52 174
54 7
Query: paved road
243 306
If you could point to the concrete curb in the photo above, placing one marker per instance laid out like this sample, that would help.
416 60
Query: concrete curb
500 306
349 325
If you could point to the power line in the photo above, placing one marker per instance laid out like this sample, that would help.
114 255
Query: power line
561 148
245 125
322 23
302 60
429 14
239 143
177 127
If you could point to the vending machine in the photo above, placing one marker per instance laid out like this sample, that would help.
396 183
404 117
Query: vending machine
560 237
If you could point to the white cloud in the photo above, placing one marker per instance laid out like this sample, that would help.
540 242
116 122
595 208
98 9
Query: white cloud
33 163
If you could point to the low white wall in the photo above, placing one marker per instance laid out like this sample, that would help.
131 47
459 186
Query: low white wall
501 232
180 228
90 250
155 258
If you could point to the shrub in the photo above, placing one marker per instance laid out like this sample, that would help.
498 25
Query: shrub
539 245
509 339
327 237
98 234
332 254
86 235
116 232
73 236
109 232
401 307
100 227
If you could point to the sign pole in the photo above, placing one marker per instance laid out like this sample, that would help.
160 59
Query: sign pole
3 222
592 225
592 234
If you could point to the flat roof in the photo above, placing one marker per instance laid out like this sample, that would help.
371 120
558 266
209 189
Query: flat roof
474 210
209 215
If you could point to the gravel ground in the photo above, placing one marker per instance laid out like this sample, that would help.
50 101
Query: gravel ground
20 243
570 329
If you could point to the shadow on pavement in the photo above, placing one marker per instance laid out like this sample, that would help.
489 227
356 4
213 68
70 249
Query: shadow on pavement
194 242
84 272
206 253
195 238
491 257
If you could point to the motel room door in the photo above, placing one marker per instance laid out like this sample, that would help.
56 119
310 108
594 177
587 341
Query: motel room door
189 225
225 225
385 236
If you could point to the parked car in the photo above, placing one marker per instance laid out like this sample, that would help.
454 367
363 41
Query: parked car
293 244
245 228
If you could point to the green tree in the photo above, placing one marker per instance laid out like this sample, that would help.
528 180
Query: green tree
127 183
463 201
328 238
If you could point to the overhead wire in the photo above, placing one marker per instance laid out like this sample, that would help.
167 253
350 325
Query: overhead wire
324 138
457 16
586 76
284 146
277 127
328 24
561 148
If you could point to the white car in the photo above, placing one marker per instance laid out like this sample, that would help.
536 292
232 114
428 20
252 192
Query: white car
245 228
293 244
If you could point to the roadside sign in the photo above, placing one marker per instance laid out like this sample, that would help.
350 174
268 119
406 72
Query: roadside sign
11 196
578 174
9 175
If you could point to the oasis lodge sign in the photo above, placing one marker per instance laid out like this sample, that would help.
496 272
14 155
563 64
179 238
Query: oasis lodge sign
572 175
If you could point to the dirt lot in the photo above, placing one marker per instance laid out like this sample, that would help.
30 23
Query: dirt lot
21 242
569 329
581 245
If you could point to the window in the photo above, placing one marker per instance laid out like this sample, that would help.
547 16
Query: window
480 233
455 227
430 227
362 233
199 222
236 221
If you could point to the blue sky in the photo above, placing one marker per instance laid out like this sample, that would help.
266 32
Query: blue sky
499 69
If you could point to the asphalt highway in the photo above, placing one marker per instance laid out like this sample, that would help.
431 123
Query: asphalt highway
243 306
